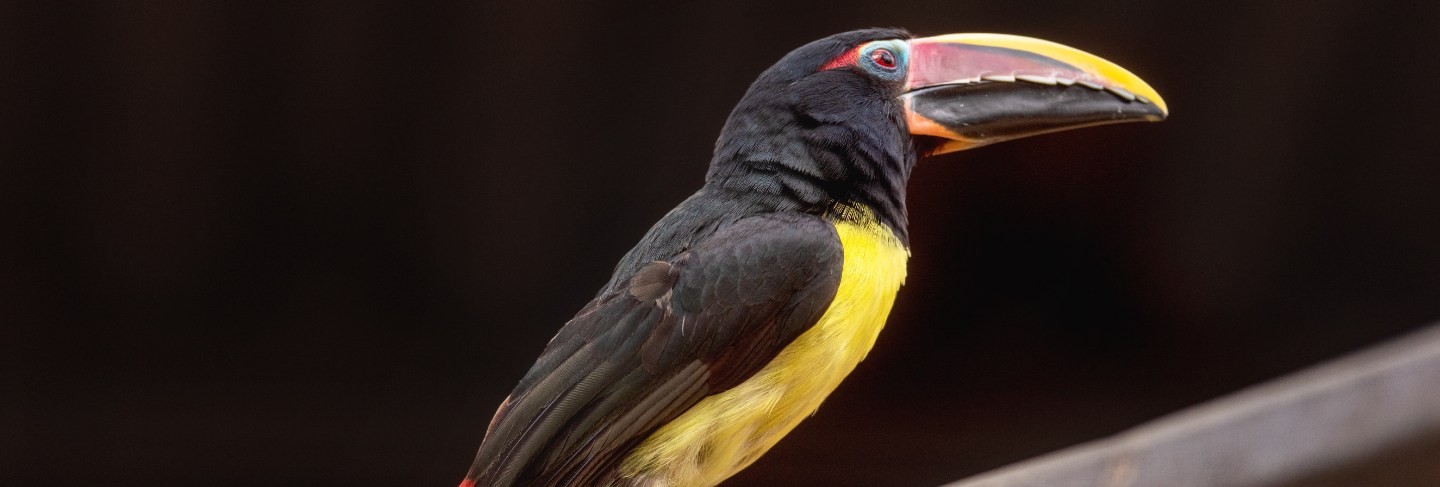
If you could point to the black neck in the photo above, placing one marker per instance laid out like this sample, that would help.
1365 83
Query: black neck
813 165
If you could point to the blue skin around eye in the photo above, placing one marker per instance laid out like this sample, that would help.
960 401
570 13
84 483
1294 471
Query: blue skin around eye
899 48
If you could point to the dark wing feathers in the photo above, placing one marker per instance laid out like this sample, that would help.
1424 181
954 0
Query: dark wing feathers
643 353
653 280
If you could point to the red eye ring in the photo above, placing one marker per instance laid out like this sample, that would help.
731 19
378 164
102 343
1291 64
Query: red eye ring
883 58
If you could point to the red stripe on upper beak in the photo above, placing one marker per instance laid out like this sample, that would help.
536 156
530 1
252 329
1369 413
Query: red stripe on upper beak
969 58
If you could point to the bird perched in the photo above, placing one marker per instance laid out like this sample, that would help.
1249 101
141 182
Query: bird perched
745 306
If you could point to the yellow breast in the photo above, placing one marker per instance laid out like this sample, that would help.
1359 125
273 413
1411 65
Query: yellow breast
725 432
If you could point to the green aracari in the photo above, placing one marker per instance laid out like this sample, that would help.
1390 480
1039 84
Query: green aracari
747 304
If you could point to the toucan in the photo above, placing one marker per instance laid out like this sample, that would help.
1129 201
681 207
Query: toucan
746 305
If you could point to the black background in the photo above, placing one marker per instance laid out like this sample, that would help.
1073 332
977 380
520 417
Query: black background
310 244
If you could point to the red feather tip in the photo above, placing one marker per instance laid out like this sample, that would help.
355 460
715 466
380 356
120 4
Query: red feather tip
850 58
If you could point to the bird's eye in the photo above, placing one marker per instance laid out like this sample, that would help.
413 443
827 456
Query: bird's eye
883 58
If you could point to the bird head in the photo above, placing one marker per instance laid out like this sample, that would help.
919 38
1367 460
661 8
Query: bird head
845 117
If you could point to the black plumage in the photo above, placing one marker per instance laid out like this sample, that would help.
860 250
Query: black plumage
635 358
814 157
722 283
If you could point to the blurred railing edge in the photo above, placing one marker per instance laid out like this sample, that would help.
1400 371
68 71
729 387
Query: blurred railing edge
1370 418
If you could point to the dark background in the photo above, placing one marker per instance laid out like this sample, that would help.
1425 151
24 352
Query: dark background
275 244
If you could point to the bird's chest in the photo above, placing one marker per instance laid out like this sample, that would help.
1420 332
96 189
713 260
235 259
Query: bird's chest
725 432
873 271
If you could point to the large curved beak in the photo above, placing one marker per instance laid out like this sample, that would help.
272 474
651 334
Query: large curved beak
975 89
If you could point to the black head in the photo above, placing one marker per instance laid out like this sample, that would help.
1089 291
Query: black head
841 120
824 126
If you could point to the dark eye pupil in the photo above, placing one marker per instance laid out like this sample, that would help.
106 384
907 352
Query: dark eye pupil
883 57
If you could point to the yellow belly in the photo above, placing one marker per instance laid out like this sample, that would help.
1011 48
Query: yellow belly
725 432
